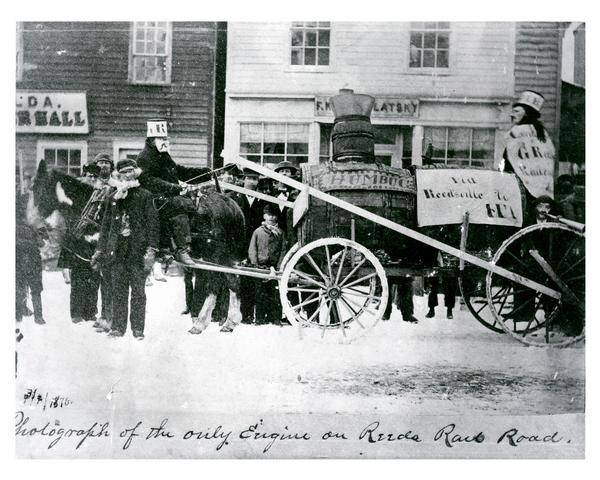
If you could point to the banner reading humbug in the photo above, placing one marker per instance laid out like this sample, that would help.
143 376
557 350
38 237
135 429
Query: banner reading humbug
531 159
490 197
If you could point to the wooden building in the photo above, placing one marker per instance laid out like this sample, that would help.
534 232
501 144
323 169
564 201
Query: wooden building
443 89
89 87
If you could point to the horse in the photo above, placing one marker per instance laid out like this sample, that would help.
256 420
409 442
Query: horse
216 226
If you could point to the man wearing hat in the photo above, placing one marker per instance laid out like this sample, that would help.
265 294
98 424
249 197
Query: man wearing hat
267 249
105 165
128 243
252 208
285 215
165 180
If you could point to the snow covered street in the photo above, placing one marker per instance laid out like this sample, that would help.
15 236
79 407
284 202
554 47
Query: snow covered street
455 366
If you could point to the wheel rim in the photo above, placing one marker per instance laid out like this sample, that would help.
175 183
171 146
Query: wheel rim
529 316
335 285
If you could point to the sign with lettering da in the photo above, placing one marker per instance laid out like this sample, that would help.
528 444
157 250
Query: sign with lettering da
531 159
51 112
444 195
384 107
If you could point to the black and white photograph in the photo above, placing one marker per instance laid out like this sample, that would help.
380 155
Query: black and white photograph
300 239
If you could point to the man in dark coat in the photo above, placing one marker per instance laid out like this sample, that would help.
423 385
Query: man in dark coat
165 180
128 243
252 208
285 215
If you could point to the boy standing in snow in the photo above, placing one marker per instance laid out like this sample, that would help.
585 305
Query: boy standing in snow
267 248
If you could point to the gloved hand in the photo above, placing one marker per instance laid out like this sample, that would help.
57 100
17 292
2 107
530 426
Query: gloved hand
149 259
95 260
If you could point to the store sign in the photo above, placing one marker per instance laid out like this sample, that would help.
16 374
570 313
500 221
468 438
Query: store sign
531 159
490 197
326 179
51 112
384 107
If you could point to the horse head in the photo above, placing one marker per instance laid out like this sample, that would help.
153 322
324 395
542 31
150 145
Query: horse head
54 190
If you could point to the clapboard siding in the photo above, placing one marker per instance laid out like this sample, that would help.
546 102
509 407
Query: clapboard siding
538 65
94 56
373 58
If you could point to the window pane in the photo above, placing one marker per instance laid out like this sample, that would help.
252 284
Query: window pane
429 40
75 157
430 25
323 56
310 24
62 157
324 38
385 135
297 148
442 59
416 39
311 38
310 56
247 147
434 140
272 160
150 24
50 156
139 47
251 132
296 56
298 160
483 144
252 158
324 24
139 34
275 147
297 38
274 132
325 139
459 141
428 58
442 40
297 132
161 48
297 24
444 25
415 57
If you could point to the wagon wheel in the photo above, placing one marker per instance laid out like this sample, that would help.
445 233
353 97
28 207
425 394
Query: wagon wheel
336 285
471 282
552 255
289 253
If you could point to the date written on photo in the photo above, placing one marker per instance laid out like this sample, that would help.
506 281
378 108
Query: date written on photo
34 398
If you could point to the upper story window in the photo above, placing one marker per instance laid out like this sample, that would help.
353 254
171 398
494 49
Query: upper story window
150 53
472 147
310 43
66 156
429 44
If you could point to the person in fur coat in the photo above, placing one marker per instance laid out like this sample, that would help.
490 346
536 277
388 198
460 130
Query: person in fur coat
127 245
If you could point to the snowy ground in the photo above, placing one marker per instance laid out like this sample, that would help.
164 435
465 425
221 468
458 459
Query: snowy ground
439 365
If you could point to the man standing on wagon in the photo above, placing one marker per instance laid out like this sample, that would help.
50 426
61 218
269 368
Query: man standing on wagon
166 180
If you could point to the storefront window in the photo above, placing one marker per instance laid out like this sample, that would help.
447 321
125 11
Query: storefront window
310 43
150 61
271 143
429 44
66 157
472 147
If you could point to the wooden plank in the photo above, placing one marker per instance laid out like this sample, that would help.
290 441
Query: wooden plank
397 227
255 194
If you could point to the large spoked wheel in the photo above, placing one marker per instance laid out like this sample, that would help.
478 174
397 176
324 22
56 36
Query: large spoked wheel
336 286
552 255
471 282
289 253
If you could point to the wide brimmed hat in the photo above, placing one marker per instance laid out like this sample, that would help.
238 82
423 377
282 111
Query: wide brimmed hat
103 157
532 99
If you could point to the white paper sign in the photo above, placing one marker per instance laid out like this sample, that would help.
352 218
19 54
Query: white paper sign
531 159
444 195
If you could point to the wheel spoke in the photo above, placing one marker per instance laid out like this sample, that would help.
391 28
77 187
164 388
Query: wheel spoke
316 267
324 326
361 279
315 313
339 272
364 295
336 312
309 279
328 261
352 272
519 260
306 302
566 255
354 313
361 307
573 265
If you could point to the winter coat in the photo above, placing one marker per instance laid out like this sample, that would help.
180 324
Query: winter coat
253 214
143 224
267 246
160 174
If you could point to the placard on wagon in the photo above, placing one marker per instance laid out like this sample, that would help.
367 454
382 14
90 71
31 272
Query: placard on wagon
444 195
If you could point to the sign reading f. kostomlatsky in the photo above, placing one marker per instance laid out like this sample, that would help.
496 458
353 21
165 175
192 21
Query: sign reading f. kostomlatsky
531 159
444 195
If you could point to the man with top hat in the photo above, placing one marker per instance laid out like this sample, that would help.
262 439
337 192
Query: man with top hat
128 243
166 181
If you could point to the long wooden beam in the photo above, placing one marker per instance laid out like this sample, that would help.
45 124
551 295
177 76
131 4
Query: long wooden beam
361 212
252 193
